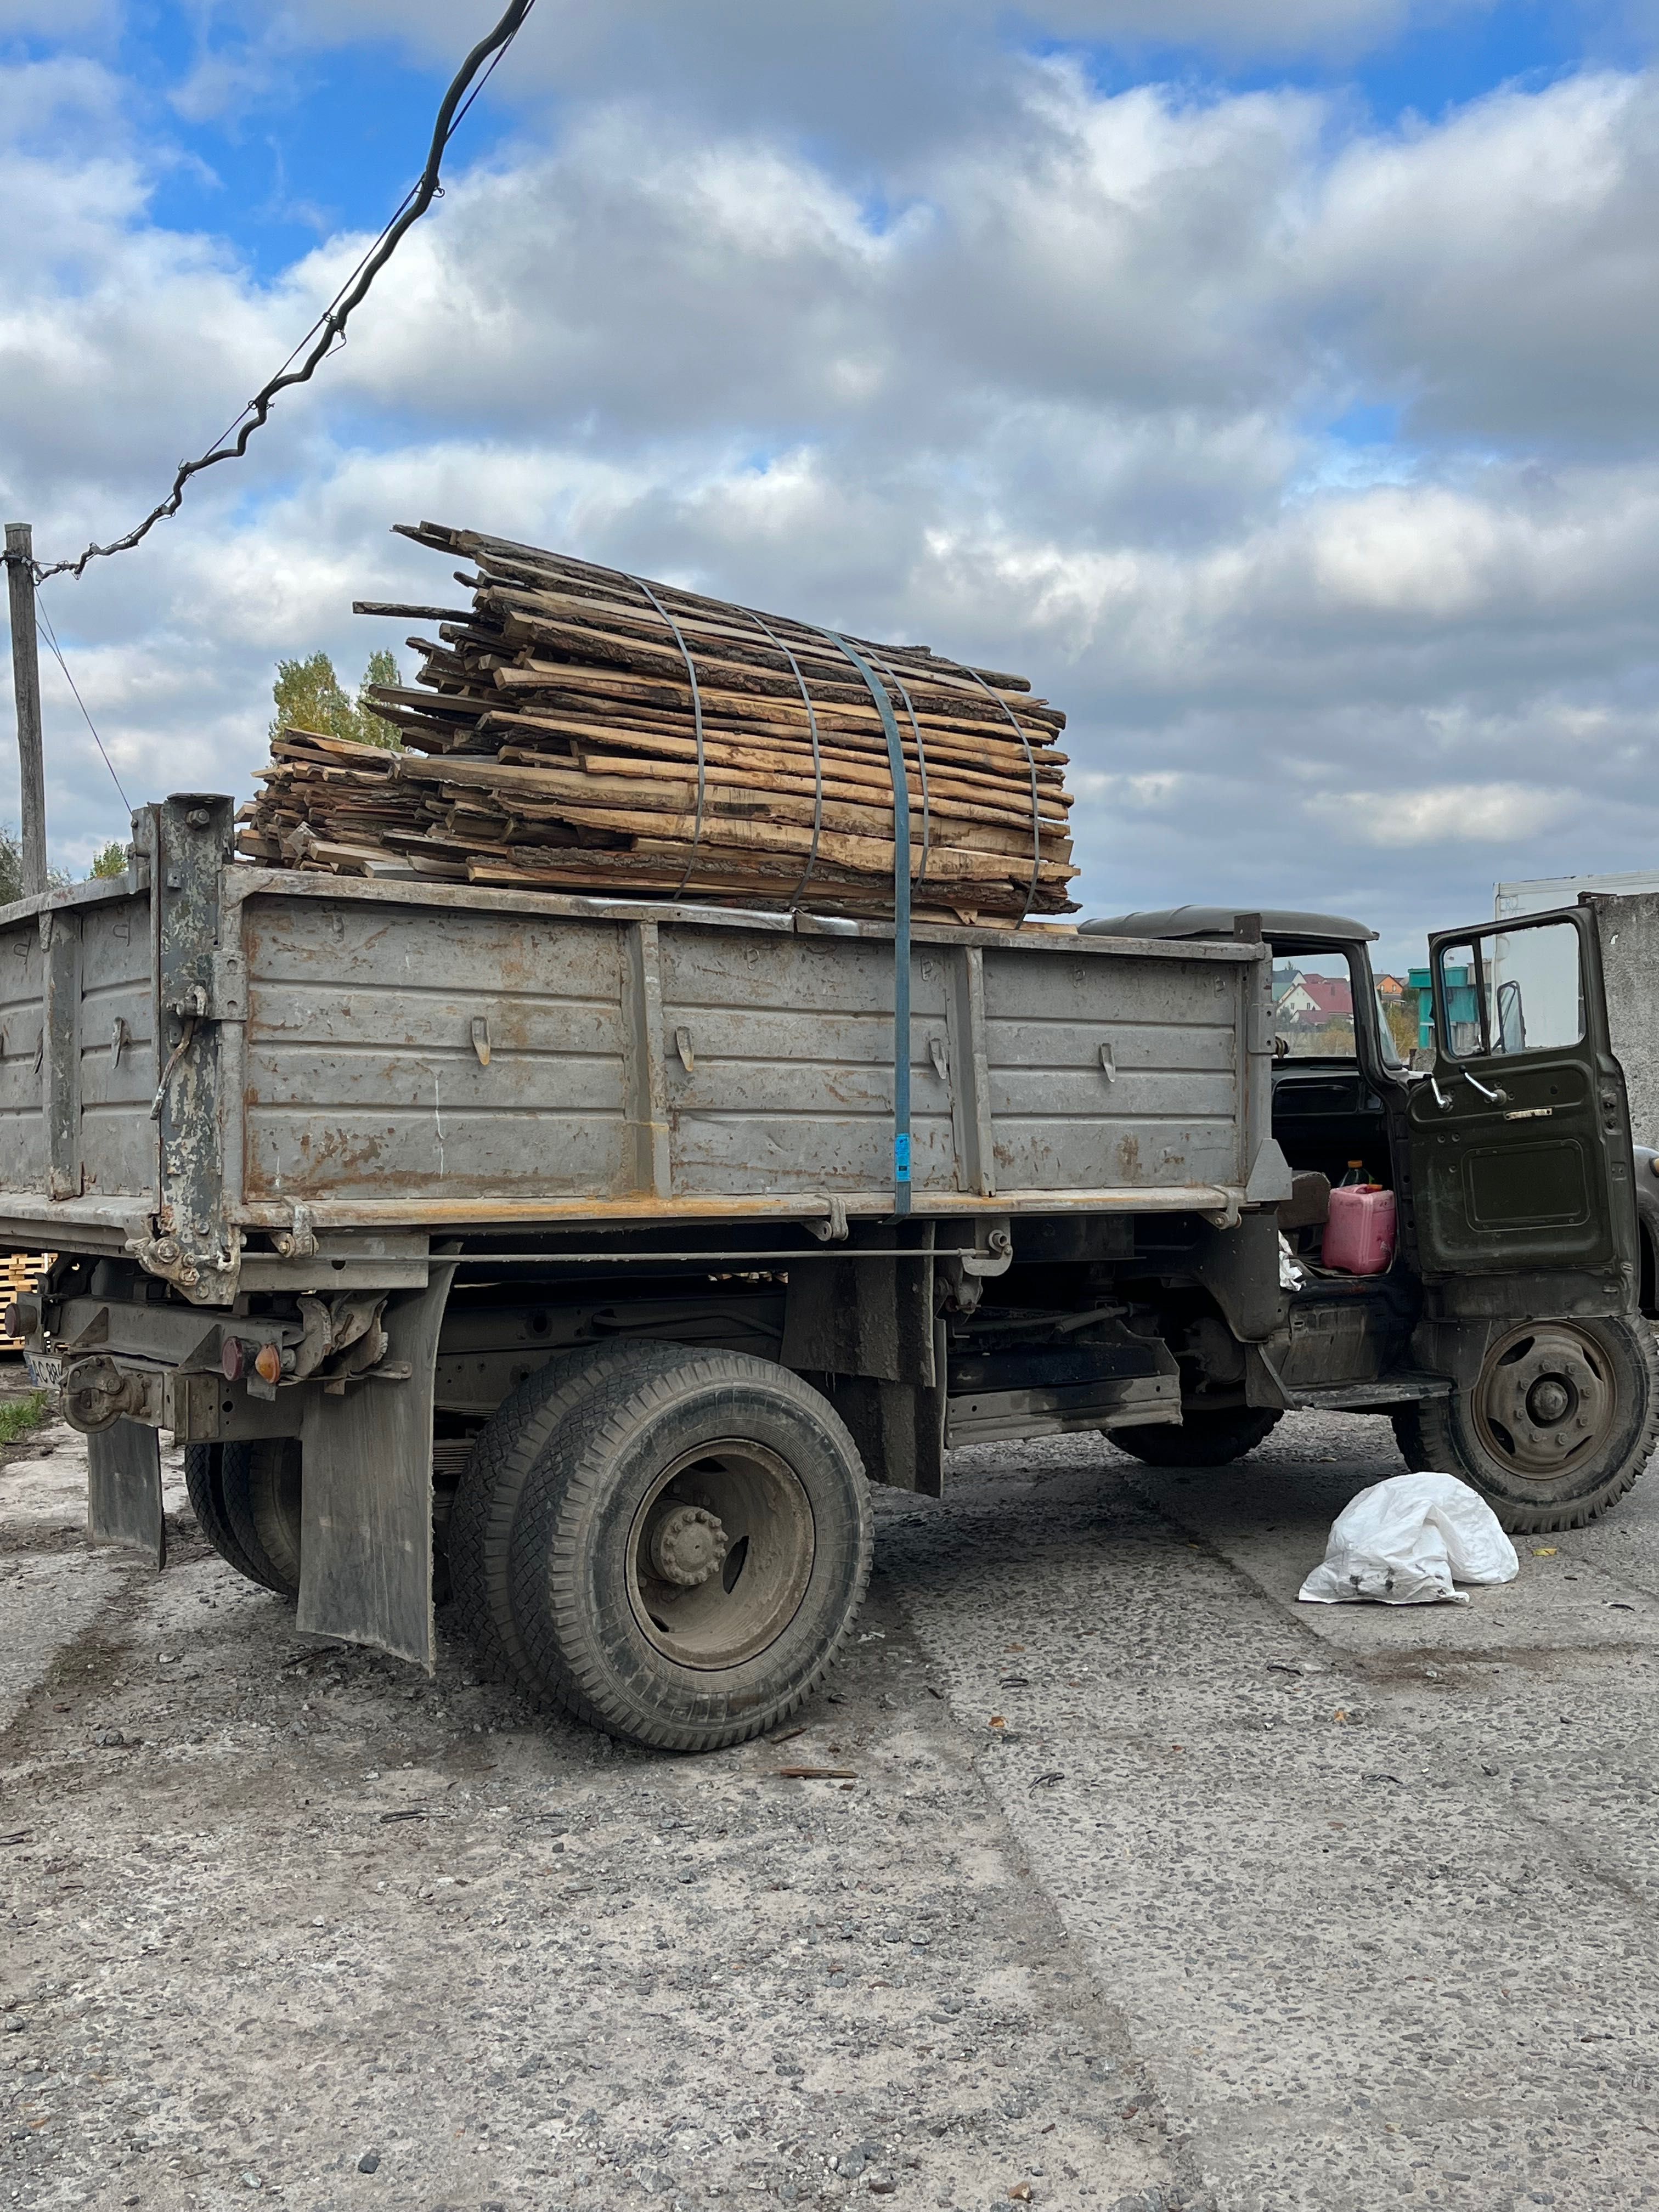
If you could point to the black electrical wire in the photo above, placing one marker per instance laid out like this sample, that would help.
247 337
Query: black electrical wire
330 326
58 655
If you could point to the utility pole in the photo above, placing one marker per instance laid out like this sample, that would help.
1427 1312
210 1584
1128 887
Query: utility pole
25 679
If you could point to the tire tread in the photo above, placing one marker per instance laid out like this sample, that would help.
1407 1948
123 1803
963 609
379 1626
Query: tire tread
205 1485
249 1475
492 1484
547 1599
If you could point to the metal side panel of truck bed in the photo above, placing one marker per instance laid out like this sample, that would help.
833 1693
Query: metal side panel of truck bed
250 1051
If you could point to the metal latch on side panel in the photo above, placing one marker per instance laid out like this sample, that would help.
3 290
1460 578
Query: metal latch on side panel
1262 1022
299 1243
228 987
994 1246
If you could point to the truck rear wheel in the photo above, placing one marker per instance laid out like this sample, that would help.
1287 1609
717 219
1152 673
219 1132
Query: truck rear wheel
204 1484
492 1485
691 1548
1203 1439
261 1488
1559 1422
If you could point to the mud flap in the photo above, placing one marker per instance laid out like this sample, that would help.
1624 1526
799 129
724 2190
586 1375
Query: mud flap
898 1427
124 1490
366 1525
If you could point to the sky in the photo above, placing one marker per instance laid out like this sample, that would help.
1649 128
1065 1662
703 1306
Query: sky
1273 381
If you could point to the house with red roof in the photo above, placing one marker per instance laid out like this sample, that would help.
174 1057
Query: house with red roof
1313 1000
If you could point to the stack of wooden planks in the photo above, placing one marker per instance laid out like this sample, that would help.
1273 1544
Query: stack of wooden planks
579 730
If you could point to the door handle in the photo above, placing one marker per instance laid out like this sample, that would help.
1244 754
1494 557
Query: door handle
1499 1097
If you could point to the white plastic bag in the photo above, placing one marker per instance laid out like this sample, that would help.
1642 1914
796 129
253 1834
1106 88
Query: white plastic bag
1407 1540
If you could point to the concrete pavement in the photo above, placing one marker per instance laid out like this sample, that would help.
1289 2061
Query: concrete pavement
1243 1905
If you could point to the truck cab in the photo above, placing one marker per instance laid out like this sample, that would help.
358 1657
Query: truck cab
1505 1337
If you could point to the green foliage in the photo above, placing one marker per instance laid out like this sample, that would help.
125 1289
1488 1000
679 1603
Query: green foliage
309 696
11 867
1401 1014
19 1415
373 728
110 859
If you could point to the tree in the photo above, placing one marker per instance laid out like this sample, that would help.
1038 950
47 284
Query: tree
309 696
373 728
110 859
11 867
1401 1017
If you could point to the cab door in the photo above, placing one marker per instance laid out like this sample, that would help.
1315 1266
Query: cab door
1520 1136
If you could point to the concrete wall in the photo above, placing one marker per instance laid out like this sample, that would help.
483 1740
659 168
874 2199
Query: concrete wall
1629 930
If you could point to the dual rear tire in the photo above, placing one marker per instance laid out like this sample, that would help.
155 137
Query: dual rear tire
245 1498
669 1544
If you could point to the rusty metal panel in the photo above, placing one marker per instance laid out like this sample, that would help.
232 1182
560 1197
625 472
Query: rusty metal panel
1118 1073
60 946
779 1059
374 1052
117 1069
189 837
443 1052
22 1058
419 1055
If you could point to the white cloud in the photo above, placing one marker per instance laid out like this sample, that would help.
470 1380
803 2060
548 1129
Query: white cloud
1043 385
1446 813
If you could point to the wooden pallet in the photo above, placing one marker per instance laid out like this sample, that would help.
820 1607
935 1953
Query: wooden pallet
20 1271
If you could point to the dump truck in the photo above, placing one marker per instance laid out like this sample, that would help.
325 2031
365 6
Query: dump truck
577 1261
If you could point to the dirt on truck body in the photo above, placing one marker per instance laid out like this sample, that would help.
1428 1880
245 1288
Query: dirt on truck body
585 1257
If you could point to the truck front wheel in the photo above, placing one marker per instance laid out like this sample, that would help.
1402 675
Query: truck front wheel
1212 1439
691 1547
1558 1422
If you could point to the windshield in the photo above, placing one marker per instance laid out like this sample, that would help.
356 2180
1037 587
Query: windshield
1313 1009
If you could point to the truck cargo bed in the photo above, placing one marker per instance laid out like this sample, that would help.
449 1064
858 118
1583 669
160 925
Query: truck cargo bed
384 1055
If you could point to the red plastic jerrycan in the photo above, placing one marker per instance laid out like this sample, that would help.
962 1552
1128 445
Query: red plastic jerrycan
1359 1232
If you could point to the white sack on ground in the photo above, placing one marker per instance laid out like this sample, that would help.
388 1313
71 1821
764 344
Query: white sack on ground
1407 1540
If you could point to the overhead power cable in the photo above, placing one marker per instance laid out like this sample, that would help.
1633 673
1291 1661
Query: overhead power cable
58 655
329 328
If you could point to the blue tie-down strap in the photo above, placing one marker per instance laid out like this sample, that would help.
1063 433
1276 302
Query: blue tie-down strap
900 784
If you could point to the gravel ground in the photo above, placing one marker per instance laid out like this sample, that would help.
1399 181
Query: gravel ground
1144 1888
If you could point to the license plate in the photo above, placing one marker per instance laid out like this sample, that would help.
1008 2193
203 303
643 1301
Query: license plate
45 1370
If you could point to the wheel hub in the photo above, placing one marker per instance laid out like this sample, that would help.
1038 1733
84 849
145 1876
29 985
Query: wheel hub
688 1544
1549 1399
720 1554
1546 1397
